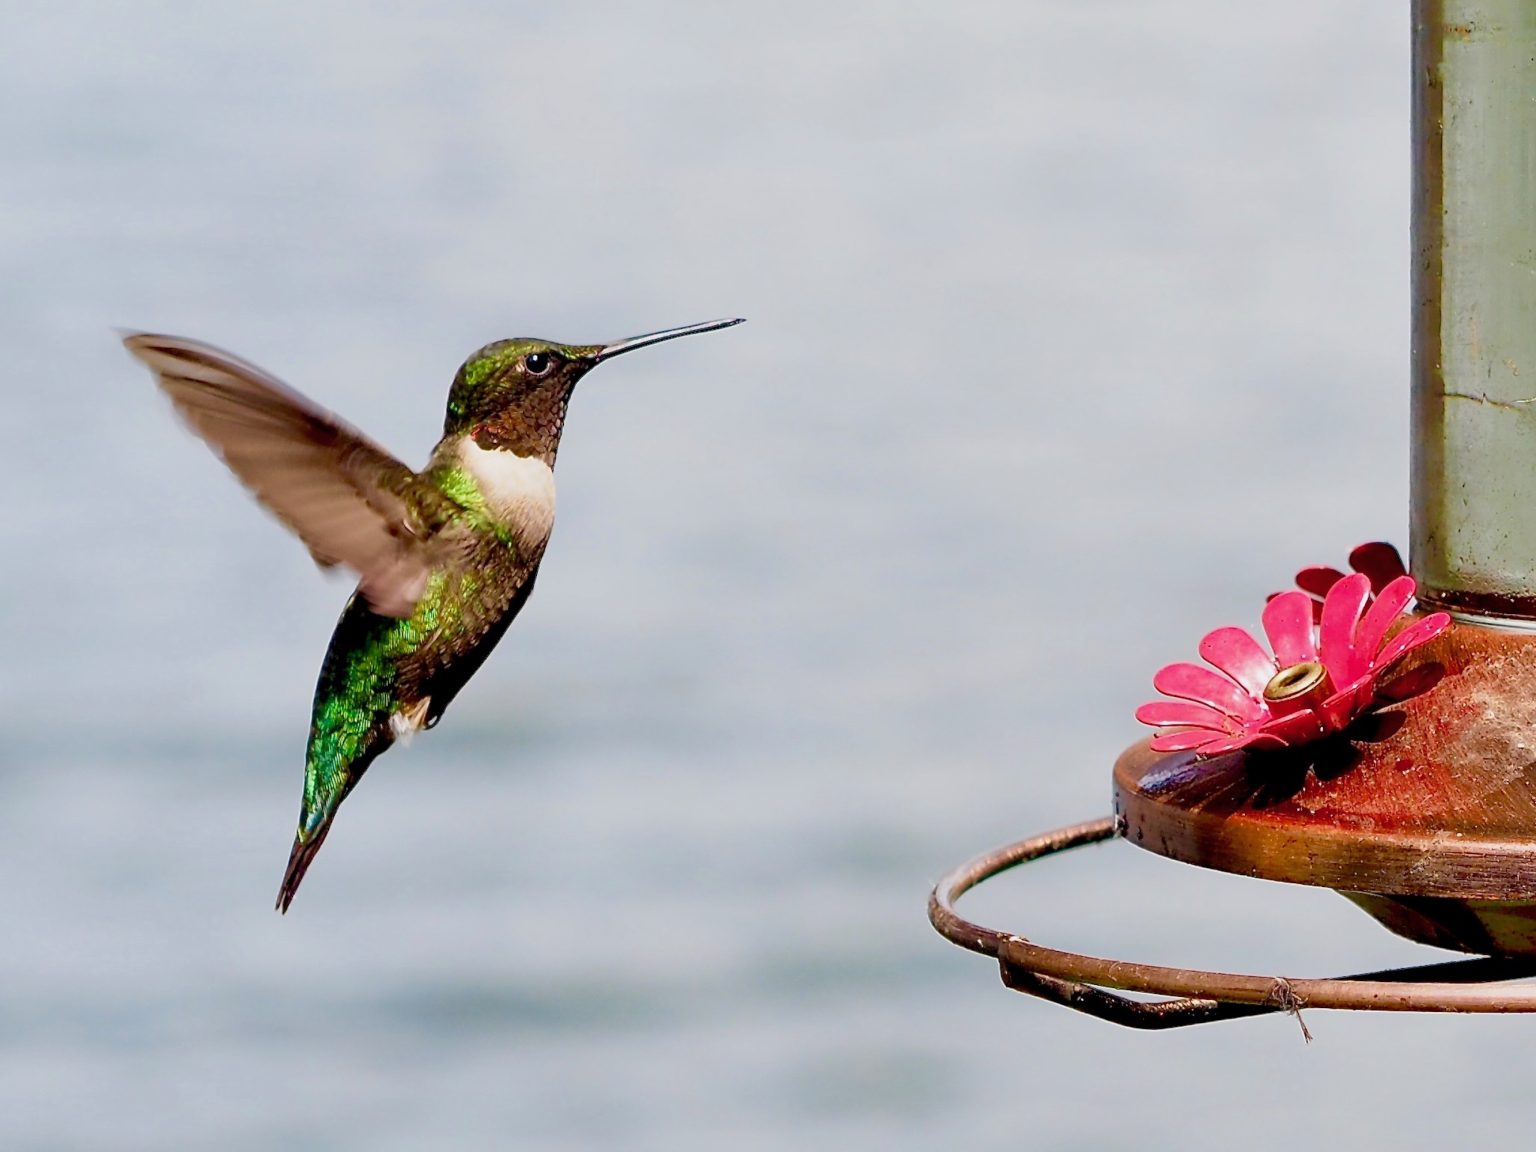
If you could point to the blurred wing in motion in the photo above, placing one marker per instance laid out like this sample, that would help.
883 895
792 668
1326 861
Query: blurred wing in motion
350 501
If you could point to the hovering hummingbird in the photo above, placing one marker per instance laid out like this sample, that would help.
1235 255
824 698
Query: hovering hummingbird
446 556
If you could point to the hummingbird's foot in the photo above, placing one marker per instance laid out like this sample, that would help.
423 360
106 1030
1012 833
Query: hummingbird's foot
409 720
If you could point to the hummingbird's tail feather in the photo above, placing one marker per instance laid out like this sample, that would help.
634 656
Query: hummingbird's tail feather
299 861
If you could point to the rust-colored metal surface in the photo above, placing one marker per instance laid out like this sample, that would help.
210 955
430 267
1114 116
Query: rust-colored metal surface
1080 982
1487 927
1425 815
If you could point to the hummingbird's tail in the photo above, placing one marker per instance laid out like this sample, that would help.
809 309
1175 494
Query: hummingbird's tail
304 850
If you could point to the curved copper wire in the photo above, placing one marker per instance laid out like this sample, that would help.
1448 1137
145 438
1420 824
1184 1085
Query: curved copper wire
1079 981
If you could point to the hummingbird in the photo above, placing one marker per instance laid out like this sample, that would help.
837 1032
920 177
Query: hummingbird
445 557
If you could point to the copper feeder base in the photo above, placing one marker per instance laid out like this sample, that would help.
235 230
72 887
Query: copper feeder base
1425 818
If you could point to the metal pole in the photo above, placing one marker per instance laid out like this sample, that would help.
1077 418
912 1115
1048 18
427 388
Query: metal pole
1474 306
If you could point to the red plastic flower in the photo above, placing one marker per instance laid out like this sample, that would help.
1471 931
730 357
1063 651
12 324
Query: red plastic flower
1318 680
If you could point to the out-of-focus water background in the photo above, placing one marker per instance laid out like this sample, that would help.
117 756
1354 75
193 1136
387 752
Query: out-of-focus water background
1074 329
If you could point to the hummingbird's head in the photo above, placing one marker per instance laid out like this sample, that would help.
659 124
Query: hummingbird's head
513 394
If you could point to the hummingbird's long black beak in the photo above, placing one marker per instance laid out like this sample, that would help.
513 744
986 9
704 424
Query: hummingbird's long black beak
621 346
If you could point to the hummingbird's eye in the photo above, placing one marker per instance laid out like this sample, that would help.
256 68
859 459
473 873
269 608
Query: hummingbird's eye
538 363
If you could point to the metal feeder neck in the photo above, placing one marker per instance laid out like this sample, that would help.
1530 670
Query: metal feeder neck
1474 307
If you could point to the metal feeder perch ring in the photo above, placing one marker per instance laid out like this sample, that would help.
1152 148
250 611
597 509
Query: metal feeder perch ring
1080 982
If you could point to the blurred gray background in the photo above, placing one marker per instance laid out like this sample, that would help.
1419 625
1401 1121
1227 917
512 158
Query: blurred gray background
1074 329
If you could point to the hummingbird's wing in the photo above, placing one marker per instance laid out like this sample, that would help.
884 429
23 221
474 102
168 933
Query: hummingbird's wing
349 500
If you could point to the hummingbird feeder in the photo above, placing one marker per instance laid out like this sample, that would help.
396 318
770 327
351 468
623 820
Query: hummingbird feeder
1383 744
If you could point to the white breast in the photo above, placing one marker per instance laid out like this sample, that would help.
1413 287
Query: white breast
519 491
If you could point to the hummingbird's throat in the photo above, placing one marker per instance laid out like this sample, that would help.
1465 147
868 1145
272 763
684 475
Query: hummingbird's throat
518 491
532 438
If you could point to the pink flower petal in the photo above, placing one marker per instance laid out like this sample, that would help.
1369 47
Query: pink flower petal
1265 740
1386 608
1316 580
1419 632
1317 605
1342 707
1162 713
1183 740
1230 744
1419 678
1296 728
1192 682
1288 624
1380 562
1240 656
1336 635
